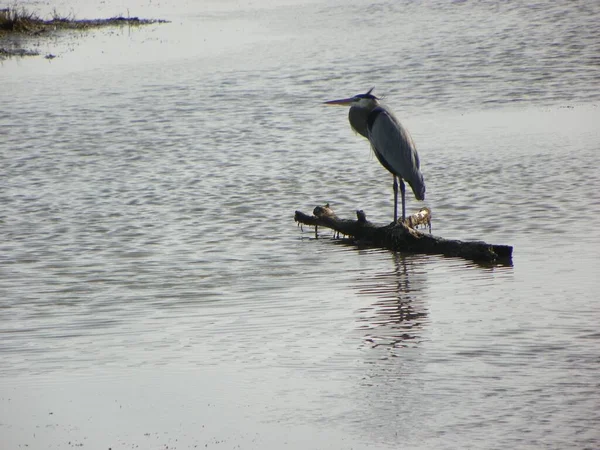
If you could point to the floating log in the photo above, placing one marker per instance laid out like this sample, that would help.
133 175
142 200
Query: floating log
404 237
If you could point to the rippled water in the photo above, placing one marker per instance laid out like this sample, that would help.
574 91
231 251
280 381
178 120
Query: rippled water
156 292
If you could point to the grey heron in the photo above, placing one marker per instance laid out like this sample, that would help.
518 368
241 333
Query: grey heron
391 142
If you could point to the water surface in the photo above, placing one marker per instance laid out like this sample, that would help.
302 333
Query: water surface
156 292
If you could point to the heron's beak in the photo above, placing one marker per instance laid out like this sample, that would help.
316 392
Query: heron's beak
342 101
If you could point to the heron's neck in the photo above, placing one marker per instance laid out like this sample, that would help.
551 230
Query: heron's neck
358 118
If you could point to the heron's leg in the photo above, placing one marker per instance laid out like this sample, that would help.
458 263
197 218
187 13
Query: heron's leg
395 199
403 192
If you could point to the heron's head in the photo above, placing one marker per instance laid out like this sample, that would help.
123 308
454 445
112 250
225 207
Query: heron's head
367 100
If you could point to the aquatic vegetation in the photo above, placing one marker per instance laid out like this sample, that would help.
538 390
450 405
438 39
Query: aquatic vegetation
18 21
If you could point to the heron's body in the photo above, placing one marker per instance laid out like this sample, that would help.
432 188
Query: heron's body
391 143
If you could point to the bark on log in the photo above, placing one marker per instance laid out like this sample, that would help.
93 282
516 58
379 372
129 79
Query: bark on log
405 237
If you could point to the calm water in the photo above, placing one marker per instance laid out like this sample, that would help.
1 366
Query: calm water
155 290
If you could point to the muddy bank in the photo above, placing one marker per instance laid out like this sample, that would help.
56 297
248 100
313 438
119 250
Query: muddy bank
17 25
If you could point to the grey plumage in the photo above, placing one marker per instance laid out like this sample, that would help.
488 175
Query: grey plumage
396 150
391 142
358 120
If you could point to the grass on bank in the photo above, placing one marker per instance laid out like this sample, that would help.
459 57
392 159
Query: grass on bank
18 21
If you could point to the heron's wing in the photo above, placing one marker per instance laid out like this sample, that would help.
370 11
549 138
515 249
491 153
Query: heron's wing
395 148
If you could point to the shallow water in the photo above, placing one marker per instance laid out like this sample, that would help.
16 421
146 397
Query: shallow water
156 291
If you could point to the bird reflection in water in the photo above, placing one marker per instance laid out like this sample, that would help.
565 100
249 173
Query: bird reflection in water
397 318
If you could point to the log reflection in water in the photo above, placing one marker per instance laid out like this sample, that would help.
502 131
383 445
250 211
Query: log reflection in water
399 315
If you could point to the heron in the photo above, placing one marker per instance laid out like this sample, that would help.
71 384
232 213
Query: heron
390 141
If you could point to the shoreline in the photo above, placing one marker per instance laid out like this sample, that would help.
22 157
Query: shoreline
16 23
